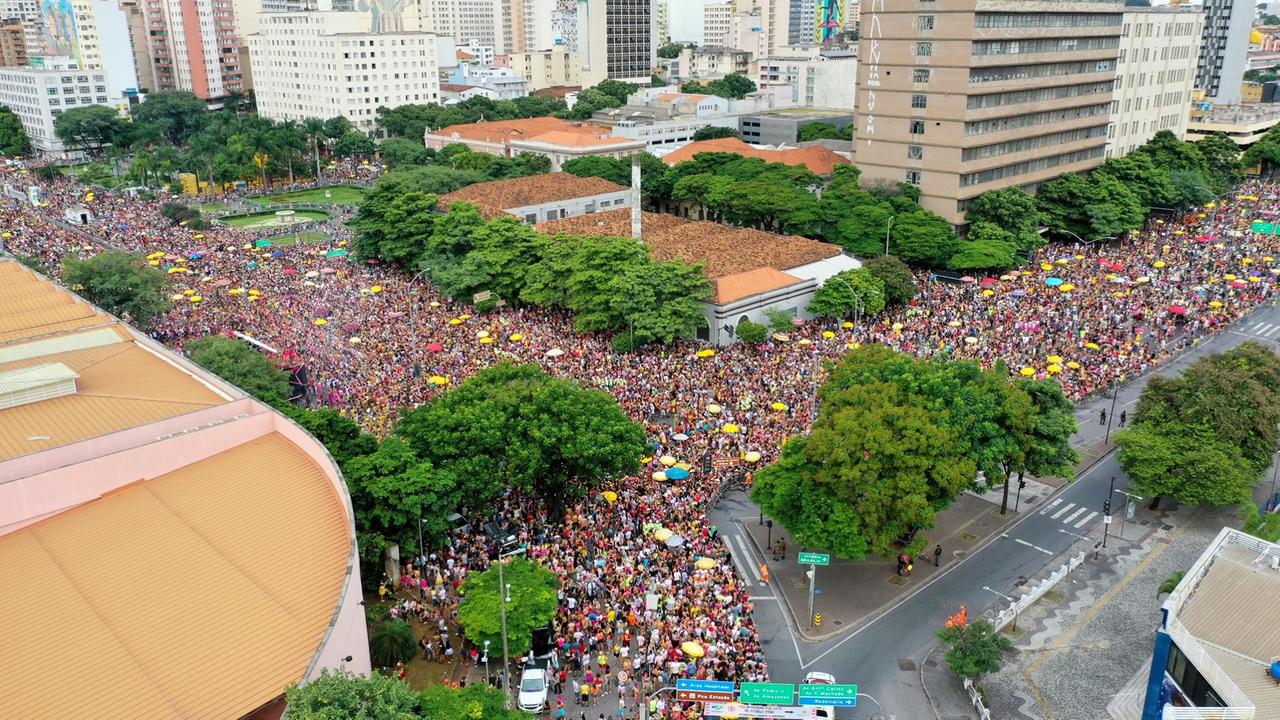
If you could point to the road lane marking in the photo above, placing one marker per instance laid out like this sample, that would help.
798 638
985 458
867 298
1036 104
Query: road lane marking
1071 518
761 597
1086 519
1033 547
1052 505
1065 508
755 571
736 562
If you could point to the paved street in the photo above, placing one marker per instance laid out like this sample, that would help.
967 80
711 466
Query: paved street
883 655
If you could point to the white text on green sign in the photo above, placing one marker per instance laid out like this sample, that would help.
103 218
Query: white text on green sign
810 558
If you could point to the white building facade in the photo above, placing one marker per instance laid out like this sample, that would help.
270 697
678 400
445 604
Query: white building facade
311 64
465 21
38 95
816 78
1155 75
547 68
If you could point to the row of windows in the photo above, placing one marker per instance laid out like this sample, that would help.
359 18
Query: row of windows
1014 122
1165 53
1022 168
1024 72
1032 143
1033 20
1176 29
1017 97
1043 45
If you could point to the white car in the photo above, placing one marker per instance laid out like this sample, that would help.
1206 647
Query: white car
533 689
822 712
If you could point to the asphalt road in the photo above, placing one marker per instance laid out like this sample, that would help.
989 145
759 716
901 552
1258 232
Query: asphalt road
1069 521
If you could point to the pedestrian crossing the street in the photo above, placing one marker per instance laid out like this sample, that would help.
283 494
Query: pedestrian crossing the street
1070 514
1265 329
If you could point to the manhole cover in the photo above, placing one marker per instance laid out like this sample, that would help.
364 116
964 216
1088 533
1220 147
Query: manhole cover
967 536
897 580
907 665
1166 527
931 663
837 622
960 553
1144 522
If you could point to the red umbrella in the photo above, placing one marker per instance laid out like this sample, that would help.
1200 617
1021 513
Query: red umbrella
1115 267
1203 239
434 347
1177 310
989 281
291 271
1239 284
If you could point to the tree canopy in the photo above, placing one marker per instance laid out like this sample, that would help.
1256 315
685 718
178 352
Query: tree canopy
344 696
852 291
90 128
13 137
533 604
120 283
242 365
976 648
513 426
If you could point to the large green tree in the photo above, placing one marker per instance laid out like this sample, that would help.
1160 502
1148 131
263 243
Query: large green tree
988 247
849 292
658 301
341 696
176 115
398 152
899 283
90 128
922 238
392 490
242 365
532 606
976 648
120 283
13 137
1189 464
1012 210
515 426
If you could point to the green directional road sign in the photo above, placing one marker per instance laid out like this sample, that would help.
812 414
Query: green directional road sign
763 693
842 695
805 558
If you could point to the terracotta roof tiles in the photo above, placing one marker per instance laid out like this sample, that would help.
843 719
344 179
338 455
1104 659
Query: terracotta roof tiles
819 160
502 195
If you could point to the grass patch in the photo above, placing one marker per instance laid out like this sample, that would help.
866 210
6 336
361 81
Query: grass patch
310 236
339 194
264 220
212 206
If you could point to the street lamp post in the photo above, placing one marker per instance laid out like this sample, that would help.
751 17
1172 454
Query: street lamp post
1011 601
504 597
887 229
1115 394
488 676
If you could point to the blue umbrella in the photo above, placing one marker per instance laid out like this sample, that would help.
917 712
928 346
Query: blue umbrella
677 473
195 256
277 253
1053 281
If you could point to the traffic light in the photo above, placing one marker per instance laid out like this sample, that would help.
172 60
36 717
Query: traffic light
1022 484
1106 507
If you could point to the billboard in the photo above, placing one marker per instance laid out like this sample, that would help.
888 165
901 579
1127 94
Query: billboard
59 21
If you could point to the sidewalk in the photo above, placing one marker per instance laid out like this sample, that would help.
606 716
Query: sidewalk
849 591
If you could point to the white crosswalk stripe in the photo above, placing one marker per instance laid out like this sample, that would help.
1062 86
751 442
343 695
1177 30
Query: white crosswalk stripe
1071 518
1050 506
1086 520
1065 508
1270 330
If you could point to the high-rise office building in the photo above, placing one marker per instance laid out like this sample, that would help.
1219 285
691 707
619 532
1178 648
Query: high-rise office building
1159 50
758 26
13 43
466 20
194 47
140 43
1224 48
28 12
619 42
962 96
662 21
802 21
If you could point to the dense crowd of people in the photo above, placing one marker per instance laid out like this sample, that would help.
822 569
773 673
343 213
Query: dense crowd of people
374 340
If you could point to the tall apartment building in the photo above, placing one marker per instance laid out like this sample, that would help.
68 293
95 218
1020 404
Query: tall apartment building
321 64
1159 51
13 43
193 47
759 27
1224 48
139 43
466 20
28 12
962 96
715 22
662 21
38 95
816 77
619 42
802 21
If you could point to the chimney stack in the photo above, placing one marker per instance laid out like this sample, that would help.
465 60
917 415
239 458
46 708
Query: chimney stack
636 218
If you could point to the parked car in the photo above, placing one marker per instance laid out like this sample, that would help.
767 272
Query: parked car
533 689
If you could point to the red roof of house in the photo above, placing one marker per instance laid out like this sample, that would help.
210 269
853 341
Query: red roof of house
819 160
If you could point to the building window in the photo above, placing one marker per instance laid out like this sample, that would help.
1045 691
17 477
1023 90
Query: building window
919 101
920 75
915 152
917 127
924 48
913 177
924 22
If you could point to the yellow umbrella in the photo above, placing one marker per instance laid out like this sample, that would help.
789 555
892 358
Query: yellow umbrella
1073 364
898 327
752 456
1054 369
854 346
1093 346
195 298
706 353
692 649
661 534
1254 279
482 333
846 325
661 476
237 291
1268 259
154 263
1247 261
516 337
317 321
375 289
152 256
988 293
188 292
667 460
646 460
177 296
609 496
1055 359
175 270
455 321
1046 266
1027 372
953 323
683 466
1067 288
438 380
713 408
805 341
465 317
1229 276
434 303
730 428
705 563
354 341
1215 304
486 340
198 236
971 340
1063 261
1143 280
779 406
255 292
827 334
8 235
1159 264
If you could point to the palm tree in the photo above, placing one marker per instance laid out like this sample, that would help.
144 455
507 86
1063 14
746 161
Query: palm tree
392 642
288 141
313 131
202 148
1170 583
262 145
232 101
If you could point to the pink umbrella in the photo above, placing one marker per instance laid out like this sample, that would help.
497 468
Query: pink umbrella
1115 267
1239 284
968 279
351 327
1204 238
328 271
322 312
987 282
395 315
291 271
1177 310
434 347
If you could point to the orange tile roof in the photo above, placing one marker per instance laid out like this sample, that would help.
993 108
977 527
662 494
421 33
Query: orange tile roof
751 282
577 137
819 160
503 130
501 195
723 250
201 593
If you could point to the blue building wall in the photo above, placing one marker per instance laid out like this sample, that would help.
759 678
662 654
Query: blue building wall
1153 706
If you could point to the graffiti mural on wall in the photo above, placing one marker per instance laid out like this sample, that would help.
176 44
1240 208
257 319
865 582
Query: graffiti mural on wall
60 28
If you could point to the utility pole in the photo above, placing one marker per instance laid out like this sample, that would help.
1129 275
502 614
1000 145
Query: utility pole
1106 515
1115 393
504 597
812 573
